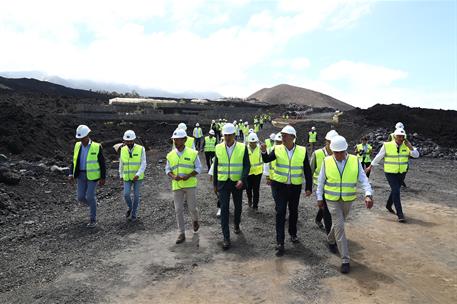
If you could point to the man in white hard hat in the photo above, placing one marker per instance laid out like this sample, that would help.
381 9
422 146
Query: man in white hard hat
396 156
255 173
337 186
132 164
317 158
391 137
88 167
312 138
209 146
198 135
190 142
231 169
269 142
291 165
182 166
269 168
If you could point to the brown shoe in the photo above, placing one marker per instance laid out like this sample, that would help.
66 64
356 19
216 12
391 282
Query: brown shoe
196 226
181 238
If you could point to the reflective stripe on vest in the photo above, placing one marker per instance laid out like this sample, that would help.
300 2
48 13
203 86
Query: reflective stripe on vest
181 166
210 144
396 161
131 163
341 186
255 158
286 167
230 168
312 137
92 166
367 153
319 157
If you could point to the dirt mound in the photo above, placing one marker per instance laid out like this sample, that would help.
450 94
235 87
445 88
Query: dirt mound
287 94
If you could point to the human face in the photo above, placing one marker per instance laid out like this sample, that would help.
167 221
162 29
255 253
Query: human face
85 141
287 139
179 143
253 145
339 156
399 139
129 143
229 139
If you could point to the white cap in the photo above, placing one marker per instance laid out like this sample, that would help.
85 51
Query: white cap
228 128
246 123
278 137
313 128
197 124
399 125
289 130
272 136
338 144
253 137
129 135
330 134
82 131
400 131
179 133
182 126
211 132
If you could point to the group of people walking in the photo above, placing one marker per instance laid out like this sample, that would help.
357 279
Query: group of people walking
237 163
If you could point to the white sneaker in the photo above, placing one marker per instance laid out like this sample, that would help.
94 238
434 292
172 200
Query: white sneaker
218 214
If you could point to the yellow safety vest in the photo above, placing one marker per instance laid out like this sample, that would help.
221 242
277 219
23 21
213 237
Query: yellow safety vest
319 157
286 167
181 166
359 148
272 164
269 144
255 158
230 168
312 137
341 186
210 144
396 161
131 163
198 132
245 130
92 166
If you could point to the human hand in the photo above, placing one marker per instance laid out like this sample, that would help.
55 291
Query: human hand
263 147
320 204
239 185
308 192
135 178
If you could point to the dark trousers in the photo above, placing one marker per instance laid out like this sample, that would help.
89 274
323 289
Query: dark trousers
253 187
224 199
285 195
323 213
364 165
198 143
209 158
395 180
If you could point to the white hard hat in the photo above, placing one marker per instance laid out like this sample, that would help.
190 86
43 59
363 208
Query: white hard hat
278 137
399 125
338 144
253 137
251 131
272 136
289 130
400 131
179 133
129 135
228 129
235 122
330 134
241 120
246 123
82 131
213 121
313 128
197 124
182 126
211 132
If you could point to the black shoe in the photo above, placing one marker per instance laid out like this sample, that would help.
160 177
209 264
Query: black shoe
389 208
181 238
401 219
127 214
319 224
345 268
333 248
195 225
404 185
294 239
249 203
237 229
279 250
226 245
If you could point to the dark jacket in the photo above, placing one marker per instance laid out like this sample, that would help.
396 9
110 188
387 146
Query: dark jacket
306 168
244 173
101 161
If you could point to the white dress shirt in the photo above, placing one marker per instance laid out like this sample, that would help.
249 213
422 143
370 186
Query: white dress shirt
142 165
413 153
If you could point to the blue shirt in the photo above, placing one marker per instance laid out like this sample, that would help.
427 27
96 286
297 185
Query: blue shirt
83 156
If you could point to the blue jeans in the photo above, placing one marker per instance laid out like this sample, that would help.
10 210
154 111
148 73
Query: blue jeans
136 195
86 194
395 180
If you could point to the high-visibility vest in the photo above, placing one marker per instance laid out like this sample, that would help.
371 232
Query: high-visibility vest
230 168
181 166
312 137
341 185
189 142
210 144
255 158
365 156
131 162
319 156
272 164
396 161
256 128
269 143
92 166
198 132
245 130
286 167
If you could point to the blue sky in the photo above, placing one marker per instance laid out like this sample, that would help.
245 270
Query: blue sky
362 52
